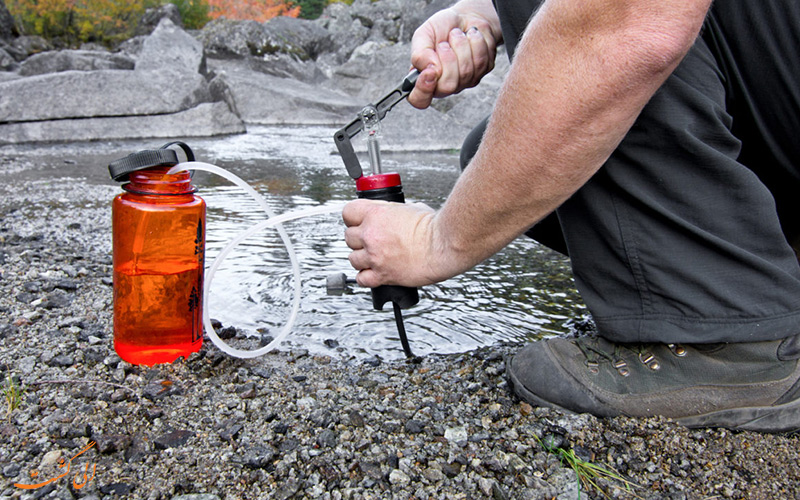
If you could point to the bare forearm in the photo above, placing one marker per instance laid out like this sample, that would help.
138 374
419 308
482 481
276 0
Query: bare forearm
581 75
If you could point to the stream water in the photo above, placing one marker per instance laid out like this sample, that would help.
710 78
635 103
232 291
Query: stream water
524 292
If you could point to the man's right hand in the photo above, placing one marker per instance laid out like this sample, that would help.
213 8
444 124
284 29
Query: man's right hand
453 50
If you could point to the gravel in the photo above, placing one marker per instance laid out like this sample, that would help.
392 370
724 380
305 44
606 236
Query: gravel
294 424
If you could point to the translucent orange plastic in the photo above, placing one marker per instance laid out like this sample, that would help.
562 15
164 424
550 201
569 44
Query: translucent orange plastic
159 246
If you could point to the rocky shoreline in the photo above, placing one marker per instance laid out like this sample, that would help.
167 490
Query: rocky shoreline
168 82
294 424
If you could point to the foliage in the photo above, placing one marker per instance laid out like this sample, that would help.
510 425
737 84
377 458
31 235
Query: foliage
70 22
311 9
255 10
194 13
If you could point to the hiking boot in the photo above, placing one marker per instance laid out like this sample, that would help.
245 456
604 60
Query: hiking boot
746 386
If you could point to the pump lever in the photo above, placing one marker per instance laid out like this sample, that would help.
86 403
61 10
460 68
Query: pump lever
343 136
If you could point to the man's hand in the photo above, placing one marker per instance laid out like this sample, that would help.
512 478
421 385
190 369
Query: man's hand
393 244
453 50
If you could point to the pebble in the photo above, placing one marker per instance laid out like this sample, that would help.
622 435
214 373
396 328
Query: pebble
173 439
399 478
456 434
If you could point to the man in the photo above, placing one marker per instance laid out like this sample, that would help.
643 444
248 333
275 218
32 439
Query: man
661 135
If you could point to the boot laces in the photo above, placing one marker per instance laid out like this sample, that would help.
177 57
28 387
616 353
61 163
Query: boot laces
595 355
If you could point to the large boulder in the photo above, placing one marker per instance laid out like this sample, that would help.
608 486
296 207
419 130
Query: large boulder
164 94
169 47
373 69
268 99
204 120
299 38
79 94
55 61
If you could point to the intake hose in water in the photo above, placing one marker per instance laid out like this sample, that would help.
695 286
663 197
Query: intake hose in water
272 221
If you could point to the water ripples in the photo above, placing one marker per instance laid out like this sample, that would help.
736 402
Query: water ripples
524 292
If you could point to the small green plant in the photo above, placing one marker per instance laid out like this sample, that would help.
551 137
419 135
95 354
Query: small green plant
587 472
68 23
13 394
194 13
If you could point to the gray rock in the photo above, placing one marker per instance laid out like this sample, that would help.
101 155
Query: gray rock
173 439
267 99
566 482
285 71
104 93
24 46
54 61
132 46
372 71
7 61
280 65
300 38
204 120
227 38
327 438
62 360
347 32
392 21
110 443
170 48
456 434
399 478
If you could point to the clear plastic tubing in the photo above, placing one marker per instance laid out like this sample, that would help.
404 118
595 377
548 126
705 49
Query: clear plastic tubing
272 221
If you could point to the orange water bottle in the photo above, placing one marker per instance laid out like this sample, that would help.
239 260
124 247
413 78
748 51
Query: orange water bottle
158 246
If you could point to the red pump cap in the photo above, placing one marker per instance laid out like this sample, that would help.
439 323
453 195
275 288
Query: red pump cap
377 181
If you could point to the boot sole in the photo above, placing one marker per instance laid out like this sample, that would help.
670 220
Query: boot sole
778 419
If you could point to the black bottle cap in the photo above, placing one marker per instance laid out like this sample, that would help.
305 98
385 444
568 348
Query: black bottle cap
148 158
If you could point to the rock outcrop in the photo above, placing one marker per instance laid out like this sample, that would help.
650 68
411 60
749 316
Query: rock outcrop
170 83
163 94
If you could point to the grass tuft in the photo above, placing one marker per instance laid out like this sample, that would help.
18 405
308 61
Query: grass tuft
588 473
13 394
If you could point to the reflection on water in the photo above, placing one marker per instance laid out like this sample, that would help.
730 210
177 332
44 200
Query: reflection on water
524 292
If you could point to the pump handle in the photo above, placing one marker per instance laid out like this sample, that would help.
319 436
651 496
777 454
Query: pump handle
343 136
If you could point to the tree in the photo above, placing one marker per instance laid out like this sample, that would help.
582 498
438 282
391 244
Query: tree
70 22
311 9
255 10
